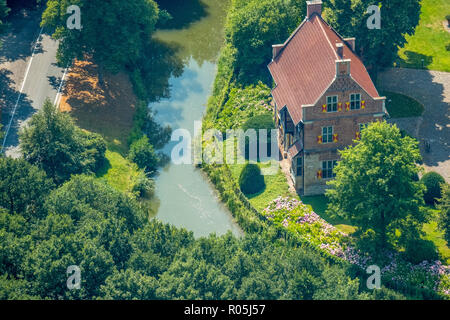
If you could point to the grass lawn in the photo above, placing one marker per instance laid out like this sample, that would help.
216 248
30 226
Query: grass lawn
319 205
119 172
401 106
276 185
429 41
434 234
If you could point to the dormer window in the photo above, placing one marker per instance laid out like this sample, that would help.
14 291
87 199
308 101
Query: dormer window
332 103
355 101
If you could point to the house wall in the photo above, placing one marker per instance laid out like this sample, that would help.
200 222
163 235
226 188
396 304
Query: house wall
345 124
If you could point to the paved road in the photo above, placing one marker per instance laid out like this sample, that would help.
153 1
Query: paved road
432 89
28 75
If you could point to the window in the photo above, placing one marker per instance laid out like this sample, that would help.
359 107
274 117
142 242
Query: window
299 166
355 101
327 134
327 169
332 103
362 126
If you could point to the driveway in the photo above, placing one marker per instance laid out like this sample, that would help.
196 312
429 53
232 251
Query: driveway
28 75
432 89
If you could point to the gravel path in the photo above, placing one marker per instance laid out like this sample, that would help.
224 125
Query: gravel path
432 89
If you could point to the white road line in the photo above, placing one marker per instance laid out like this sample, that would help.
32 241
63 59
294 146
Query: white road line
21 90
58 95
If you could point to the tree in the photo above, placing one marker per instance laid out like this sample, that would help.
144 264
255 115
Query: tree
378 47
254 26
114 33
53 142
444 212
4 10
432 182
375 187
129 285
142 153
251 180
23 188
84 195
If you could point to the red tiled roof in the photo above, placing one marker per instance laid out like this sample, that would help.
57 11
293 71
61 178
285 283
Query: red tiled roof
295 149
306 66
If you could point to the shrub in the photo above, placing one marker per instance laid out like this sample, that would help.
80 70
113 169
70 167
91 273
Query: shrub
251 181
432 182
144 186
264 121
142 153
420 250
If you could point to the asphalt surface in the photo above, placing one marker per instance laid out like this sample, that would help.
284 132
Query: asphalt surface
28 75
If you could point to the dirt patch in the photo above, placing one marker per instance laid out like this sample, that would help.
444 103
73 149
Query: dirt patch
107 109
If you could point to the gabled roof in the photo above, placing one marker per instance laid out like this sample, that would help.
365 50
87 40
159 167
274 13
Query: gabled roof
306 66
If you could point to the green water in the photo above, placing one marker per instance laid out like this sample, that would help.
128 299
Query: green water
184 196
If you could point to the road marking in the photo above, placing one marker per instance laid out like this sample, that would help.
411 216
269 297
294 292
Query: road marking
21 90
58 95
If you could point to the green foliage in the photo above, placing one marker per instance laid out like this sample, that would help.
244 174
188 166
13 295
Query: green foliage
129 285
142 153
129 23
243 104
144 123
252 28
4 10
375 188
419 250
144 186
444 212
265 122
251 180
53 142
378 46
84 194
23 187
432 182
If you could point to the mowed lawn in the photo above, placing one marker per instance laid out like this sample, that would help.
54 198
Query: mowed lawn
429 41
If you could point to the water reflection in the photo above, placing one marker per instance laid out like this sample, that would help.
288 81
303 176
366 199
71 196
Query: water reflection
184 196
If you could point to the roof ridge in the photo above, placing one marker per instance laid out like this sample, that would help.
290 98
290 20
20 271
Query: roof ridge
326 36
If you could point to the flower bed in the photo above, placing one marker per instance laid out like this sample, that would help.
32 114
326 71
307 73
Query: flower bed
299 219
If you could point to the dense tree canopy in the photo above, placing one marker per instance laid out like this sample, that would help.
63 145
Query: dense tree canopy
375 187
254 26
53 142
378 47
113 32
23 187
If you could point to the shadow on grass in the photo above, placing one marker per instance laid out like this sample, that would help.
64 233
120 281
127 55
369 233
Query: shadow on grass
320 204
415 60
103 170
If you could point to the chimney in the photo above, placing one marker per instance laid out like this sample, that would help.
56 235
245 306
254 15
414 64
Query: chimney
351 42
313 6
343 67
340 49
276 49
